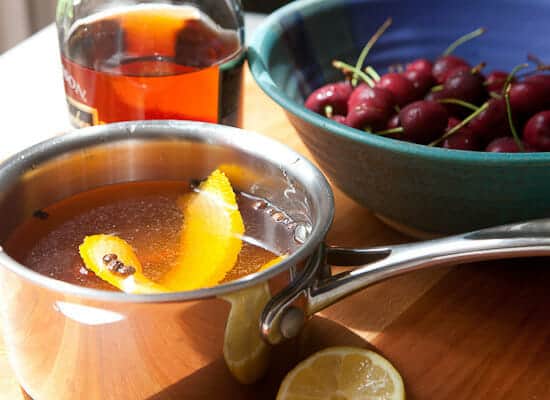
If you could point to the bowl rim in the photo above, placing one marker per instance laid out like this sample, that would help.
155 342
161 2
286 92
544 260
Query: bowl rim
245 141
260 46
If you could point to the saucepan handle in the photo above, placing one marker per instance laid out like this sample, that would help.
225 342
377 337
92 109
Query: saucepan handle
283 317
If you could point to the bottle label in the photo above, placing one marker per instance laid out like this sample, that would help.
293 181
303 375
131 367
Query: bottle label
81 114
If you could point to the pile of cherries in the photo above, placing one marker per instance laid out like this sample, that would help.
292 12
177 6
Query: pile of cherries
446 103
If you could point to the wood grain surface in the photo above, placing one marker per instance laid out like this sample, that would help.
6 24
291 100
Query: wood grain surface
478 331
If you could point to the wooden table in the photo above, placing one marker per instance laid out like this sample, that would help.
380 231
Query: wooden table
470 332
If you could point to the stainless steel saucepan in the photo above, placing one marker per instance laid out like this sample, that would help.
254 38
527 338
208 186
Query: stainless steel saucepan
67 342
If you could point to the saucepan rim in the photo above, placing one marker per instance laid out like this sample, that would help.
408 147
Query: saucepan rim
283 157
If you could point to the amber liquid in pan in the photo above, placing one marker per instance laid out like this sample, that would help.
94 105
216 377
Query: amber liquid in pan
152 62
146 215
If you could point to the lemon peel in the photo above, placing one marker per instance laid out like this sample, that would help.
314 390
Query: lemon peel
210 238
95 247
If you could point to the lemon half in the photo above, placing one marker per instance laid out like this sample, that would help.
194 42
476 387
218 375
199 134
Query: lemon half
343 373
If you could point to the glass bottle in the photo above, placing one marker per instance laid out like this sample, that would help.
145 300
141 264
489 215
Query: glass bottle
133 60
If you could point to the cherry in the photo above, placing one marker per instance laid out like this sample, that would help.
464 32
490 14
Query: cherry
536 132
370 108
361 93
402 89
452 109
491 122
339 118
463 139
504 145
435 96
421 65
422 81
540 79
495 81
365 93
423 121
444 65
465 85
334 95
528 98
451 123
393 123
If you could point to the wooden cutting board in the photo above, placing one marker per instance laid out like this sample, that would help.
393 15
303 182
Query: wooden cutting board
468 332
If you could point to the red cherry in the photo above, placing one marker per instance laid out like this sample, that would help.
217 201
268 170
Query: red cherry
444 65
423 121
505 145
393 123
540 79
536 132
464 85
528 98
463 139
370 108
495 81
339 118
422 81
421 65
401 88
334 94
364 93
452 109
491 122
452 122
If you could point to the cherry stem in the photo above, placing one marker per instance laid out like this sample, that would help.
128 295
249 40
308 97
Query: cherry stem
350 68
462 103
534 59
506 92
463 39
495 95
477 69
459 126
329 111
437 88
372 73
398 129
359 64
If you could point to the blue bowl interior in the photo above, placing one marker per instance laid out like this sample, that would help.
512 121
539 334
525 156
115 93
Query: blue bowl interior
308 35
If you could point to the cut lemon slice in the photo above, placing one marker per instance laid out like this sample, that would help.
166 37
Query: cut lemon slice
100 251
245 352
211 236
343 373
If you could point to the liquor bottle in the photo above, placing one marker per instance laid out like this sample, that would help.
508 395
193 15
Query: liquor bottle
135 60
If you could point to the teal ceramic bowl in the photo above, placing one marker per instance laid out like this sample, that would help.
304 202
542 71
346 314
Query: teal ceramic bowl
431 190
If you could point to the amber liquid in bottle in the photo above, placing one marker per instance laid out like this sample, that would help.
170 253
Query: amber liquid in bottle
152 62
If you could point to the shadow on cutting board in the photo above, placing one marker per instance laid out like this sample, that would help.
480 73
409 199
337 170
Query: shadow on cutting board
215 381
